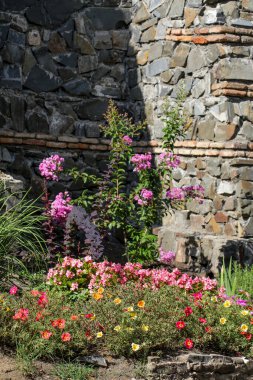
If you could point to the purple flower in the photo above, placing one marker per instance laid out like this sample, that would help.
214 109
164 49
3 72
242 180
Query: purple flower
127 140
61 207
51 167
241 302
166 257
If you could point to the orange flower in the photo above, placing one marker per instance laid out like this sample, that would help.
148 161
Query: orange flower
35 293
39 316
74 317
66 337
45 334
100 290
117 301
141 304
97 296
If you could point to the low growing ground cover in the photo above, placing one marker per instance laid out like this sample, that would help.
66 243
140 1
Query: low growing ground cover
151 310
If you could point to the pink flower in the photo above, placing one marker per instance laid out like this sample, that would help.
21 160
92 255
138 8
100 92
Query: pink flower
202 320
141 161
66 337
176 193
43 300
46 334
127 140
51 167
21 314
197 296
168 160
13 290
180 325
74 286
188 311
145 197
61 207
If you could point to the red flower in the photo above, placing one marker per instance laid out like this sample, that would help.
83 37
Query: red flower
188 343
202 320
66 337
43 300
248 336
188 311
88 334
21 314
197 296
39 316
60 323
74 317
89 316
45 334
208 329
180 325
13 290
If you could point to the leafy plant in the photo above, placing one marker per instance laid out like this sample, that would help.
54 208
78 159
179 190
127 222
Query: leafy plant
236 279
73 371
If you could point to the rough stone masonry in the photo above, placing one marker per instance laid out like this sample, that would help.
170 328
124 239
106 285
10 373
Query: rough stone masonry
62 60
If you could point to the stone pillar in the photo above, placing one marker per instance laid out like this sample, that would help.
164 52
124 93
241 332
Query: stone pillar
207 46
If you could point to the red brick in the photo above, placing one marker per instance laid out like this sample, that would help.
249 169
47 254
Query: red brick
98 147
212 152
221 217
35 142
68 139
57 145
78 146
203 144
25 135
43 136
227 153
89 140
10 140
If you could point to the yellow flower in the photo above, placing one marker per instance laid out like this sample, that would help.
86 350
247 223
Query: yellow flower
117 301
130 308
100 290
223 321
129 329
135 347
245 312
8 309
99 334
133 315
141 304
97 296
214 299
145 328
93 317
117 328
227 303
244 328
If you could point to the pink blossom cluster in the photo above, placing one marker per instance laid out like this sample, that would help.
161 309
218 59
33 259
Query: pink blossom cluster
95 274
70 272
127 140
168 160
51 167
166 257
141 161
186 192
61 207
145 197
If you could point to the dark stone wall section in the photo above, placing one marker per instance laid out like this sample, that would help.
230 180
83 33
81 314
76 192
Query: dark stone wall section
60 62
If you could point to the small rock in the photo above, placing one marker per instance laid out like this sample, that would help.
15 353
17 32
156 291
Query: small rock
56 44
19 23
40 80
95 360
87 63
34 38
78 87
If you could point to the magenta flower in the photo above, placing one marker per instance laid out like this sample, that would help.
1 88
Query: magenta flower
61 207
145 197
13 290
127 140
176 193
141 161
51 167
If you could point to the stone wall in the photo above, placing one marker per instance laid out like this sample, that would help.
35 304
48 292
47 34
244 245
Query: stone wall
59 68
200 367
206 46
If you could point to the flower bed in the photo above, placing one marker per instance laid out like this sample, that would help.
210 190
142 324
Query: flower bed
136 311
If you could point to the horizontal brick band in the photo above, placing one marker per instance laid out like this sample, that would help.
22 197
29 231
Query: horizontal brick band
184 148
232 89
215 34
